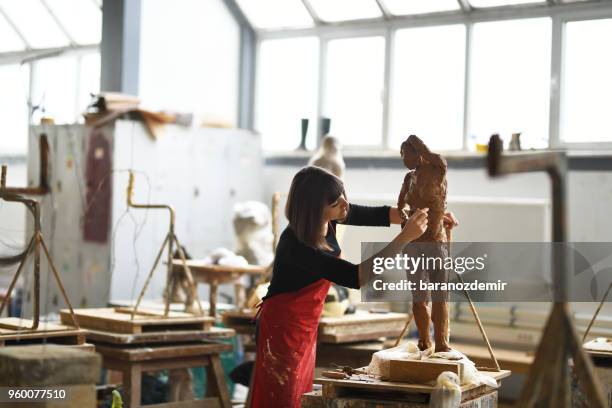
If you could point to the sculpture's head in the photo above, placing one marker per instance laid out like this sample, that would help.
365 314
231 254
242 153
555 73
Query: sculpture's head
409 154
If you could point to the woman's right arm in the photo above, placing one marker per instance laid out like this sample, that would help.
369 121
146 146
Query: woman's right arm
415 227
346 273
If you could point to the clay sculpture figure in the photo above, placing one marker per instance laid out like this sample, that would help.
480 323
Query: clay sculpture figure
425 186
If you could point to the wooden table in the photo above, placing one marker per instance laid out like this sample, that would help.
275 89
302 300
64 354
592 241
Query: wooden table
214 275
133 360
518 362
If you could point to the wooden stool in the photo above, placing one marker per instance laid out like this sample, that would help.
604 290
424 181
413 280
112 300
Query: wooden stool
132 361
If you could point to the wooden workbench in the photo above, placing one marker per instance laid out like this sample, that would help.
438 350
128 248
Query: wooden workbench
132 361
215 275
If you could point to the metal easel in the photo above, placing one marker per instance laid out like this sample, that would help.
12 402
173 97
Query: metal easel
170 240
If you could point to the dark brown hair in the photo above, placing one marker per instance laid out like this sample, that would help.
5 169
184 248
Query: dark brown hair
312 189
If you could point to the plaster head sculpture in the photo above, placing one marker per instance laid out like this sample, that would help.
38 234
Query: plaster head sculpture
329 156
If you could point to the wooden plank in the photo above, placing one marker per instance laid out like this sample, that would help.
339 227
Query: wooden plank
200 267
361 318
360 327
315 399
161 352
513 360
215 333
420 371
45 333
357 336
119 320
380 386
202 403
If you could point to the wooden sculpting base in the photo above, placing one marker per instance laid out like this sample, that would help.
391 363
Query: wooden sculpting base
119 320
16 332
365 387
315 399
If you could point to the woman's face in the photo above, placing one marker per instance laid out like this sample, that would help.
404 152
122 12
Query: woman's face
338 210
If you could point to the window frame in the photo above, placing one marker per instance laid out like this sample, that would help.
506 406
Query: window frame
560 14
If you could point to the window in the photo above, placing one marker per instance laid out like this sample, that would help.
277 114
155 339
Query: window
54 89
587 84
403 7
354 89
35 22
81 18
498 3
10 39
510 81
14 81
338 10
287 92
198 76
428 86
276 13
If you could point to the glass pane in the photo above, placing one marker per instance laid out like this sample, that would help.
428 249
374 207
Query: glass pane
354 89
403 7
199 75
35 23
587 84
427 97
287 86
276 13
81 18
497 3
341 10
510 81
14 81
10 39
89 79
54 89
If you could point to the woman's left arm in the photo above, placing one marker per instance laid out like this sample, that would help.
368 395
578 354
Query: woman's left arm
373 216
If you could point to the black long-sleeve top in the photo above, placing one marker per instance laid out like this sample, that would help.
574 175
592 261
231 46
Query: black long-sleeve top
297 265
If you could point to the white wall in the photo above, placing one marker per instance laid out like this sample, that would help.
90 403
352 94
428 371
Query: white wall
589 192
189 58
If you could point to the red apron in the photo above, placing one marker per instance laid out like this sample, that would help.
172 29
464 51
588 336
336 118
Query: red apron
286 346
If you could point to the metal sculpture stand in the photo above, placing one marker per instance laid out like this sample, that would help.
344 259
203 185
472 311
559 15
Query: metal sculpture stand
603 300
170 240
547 384
36 242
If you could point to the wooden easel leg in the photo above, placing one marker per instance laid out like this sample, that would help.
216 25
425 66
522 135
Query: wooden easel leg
132 380
547 383
215 381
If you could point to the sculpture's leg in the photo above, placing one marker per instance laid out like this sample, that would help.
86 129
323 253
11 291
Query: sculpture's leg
421 319
439 316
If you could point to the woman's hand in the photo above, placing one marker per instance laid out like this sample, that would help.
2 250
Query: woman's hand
450 221
415 226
